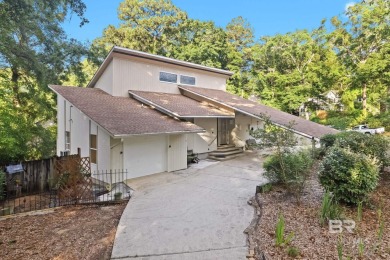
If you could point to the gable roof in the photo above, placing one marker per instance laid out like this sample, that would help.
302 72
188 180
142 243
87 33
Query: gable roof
122 116
180 106
301 126
148 56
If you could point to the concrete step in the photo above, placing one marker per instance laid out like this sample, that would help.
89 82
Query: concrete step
229 157
225 153
228 149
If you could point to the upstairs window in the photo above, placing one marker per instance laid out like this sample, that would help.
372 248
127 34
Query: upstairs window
67 141
93 148
168 77
187 80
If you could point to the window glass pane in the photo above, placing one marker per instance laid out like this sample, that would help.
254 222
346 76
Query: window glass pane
168 77
93 141
187 80
93 156
67 140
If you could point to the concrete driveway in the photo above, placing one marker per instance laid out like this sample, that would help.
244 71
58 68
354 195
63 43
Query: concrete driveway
198 213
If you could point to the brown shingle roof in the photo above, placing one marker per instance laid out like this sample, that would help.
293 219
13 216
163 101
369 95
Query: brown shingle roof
300 126
179 105
122 116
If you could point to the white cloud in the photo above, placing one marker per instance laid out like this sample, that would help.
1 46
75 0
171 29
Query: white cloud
348 5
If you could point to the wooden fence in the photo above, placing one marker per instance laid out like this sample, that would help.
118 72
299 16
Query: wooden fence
35 177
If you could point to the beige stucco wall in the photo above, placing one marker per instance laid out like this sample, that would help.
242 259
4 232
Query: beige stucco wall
140 74
207 141
244 123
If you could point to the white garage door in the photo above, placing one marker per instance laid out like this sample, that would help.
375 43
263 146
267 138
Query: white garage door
145 155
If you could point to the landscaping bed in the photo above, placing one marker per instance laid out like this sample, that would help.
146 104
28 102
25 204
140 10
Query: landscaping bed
310 239
72 232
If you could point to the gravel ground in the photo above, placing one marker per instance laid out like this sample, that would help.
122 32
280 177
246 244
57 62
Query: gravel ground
74 232
313 240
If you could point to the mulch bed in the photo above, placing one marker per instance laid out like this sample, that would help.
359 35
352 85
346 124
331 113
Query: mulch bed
313 240
73 232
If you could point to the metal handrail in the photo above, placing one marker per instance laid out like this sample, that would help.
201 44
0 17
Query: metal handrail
213 140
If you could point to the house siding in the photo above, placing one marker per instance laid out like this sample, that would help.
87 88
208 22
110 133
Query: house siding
145 155
106 80
136 74
80 127
60 124
207 141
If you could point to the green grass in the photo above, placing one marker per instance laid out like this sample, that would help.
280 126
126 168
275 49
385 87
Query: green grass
329 209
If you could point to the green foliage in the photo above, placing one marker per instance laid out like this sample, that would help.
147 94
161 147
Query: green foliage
328 140
291 169
280 239
340 247
2 184
375 146
349 176
330 209
266 188
34 52
293 252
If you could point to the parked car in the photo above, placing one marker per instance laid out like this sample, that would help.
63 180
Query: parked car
366 130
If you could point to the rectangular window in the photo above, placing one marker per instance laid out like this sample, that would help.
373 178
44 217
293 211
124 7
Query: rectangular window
168 77
187 80
93 148
67 141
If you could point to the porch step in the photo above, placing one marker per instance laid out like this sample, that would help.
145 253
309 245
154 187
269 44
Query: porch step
225 152
228 157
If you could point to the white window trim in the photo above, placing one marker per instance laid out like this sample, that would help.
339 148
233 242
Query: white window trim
184 84
169 82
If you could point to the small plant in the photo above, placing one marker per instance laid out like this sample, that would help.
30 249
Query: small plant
360 211
330 209
280 240
292 251
279 232
340 247
381 225
266 188
361 248
118 196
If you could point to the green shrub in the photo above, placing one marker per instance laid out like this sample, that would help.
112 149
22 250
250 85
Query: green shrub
291 169
328 140
2 184
349 176
371 145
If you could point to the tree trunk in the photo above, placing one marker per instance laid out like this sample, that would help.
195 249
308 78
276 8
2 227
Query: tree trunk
15 87
364 97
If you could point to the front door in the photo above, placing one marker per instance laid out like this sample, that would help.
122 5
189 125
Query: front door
224 128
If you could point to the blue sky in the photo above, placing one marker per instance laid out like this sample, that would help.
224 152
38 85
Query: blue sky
267 17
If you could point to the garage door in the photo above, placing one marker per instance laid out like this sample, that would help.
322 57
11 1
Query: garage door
145 155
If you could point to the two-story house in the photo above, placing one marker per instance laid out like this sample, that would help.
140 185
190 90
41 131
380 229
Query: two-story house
143 112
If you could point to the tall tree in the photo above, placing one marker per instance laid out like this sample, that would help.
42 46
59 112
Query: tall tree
146 25
240 39
364 34
34 51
